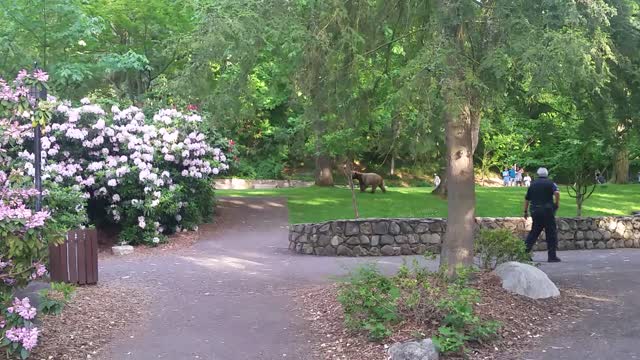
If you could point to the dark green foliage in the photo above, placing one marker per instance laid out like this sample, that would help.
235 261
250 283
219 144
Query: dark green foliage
53 300
370 302
373 303
497 246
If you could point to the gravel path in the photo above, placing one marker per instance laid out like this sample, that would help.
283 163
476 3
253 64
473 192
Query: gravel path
229 296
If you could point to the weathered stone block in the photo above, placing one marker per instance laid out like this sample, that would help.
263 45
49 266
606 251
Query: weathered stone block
351 229
611 244
304 238
336 240
602 244
563 225
588 244
381 228
620 243
374 251
328 251
628 243
394 228
307 249
375 240
324 228
405 228
122 250
413 238
387 250
422 228
364 240
579 235
387 240
589 235
606 235
337 227
354 240
366 228
324 240
405 249
580 244
360 251
597 235
344 250
402 239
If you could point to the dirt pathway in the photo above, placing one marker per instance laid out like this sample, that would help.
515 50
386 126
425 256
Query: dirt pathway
229 296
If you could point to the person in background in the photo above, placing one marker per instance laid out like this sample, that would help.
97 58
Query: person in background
519 177
527 180
600 179
436 180
543 199
505 177
512 175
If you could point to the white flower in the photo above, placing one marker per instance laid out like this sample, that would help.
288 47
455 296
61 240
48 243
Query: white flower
185 173
112 182
85 101
156 240
178 217
155 203
115 198
82 43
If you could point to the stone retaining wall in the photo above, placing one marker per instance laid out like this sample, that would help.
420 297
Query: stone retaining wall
375 237
243 184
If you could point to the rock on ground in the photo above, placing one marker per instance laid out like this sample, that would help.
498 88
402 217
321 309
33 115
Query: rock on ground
526 280
122 250
414 350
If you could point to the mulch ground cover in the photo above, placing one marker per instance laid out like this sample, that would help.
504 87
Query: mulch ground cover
93 317
523 321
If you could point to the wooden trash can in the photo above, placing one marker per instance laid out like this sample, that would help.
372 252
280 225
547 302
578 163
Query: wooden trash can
76 260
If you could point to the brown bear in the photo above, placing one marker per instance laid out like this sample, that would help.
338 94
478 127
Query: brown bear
369 179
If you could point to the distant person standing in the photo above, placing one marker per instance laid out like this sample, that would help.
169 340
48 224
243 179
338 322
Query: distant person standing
512 175
527 180
543 199
505 177
519 177
436 181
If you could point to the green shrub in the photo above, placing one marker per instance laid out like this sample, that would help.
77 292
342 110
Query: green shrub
53 300
370 302
461 324
494 247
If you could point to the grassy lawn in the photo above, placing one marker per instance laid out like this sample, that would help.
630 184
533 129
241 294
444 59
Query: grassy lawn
319 204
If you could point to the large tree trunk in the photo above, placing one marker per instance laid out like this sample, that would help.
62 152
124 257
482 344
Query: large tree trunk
621 166
324 175
458 244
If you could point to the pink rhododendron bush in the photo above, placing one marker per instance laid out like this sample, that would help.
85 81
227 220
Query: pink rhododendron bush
146 175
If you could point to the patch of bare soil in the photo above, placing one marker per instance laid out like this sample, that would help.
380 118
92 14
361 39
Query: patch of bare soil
523 320
175 242
94 316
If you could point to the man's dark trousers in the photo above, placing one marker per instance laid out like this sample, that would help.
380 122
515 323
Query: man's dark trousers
543 219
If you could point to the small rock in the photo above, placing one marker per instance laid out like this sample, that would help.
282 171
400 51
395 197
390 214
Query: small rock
414 350
121 250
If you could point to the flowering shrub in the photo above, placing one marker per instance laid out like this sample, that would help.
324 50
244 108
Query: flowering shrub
24 239
150 176
147 175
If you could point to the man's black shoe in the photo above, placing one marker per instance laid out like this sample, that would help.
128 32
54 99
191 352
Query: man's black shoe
555 260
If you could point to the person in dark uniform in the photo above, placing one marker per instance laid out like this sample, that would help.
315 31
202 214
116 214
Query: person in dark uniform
543 199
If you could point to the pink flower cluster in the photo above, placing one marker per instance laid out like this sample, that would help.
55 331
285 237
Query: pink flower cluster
23 308
13 208
25 335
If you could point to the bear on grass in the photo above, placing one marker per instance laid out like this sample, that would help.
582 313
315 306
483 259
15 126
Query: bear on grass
369 179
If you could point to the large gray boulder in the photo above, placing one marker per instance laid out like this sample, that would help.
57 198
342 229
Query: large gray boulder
526 280
414 350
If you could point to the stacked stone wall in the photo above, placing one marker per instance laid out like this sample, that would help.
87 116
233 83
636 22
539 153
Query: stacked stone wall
387 237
